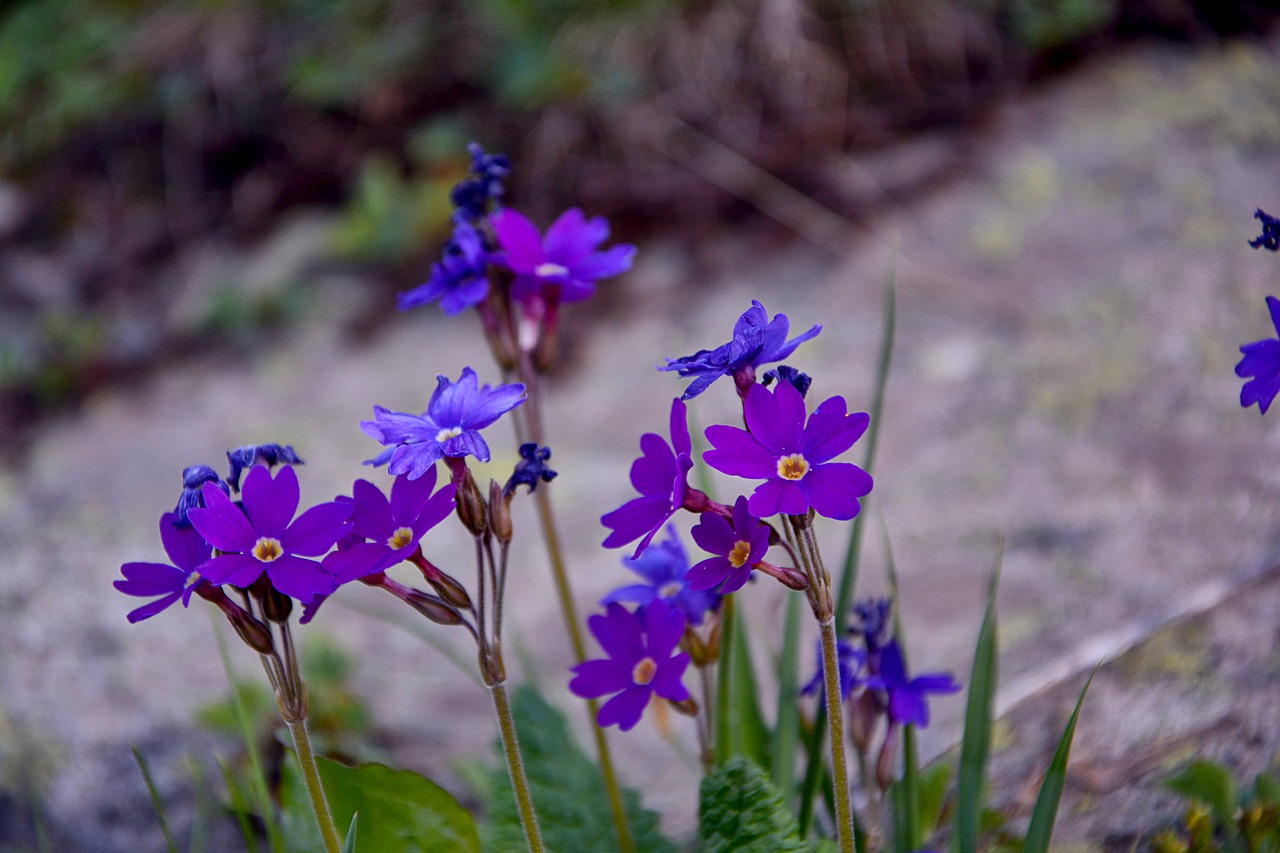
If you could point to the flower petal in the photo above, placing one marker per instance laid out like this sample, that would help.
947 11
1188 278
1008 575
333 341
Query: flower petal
520 241
625 709
146 611
318 529
371 515
776 419
221 522
147 579
235 569
363 558
667 681
598 678
739 454
270 503
713 534
833 489
778 496
664 625
299 578
184 545
618 632
831 431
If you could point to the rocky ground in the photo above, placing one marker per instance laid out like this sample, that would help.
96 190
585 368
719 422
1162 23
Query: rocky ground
1070 305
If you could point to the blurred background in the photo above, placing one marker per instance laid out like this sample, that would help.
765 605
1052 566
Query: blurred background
207 208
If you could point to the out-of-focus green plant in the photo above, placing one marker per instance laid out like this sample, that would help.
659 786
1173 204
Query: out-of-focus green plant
1048 24
1222 816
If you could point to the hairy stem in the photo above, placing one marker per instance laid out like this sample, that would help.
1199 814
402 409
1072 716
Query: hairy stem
311 773
515 766
835 726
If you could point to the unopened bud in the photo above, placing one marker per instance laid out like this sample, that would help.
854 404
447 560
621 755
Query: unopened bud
276 606
785 575
470 503
256 635
688 707
450 589
864 713
713 641
499 513
887 762
694 647
434 608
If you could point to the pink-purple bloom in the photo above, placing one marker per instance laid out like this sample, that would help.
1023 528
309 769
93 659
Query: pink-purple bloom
187 550
449 427
459 280
756 340
1261 362
660 475
567 261
265 536
791 456
664 566
736 549
643 661
388 531
906 697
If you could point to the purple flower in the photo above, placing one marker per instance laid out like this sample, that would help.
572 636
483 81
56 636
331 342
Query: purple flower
566 259
261 538
193 478
737 549
472 195
784 373
642 661
1262 362
792 457
265 454
188 551
873 623
906 697
531 469
389 531
449 427
756 340
665 569
460 279
1270 237
660 475
848 660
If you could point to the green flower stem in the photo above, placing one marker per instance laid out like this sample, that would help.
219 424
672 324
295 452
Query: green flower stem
515 766
835 724
311 773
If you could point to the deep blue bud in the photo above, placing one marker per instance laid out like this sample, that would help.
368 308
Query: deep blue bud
784 373
267 454
531 470
193 477
1270 237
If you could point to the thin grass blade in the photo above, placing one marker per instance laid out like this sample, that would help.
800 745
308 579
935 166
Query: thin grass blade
349 845
787 730
239 807
1045 813
155 798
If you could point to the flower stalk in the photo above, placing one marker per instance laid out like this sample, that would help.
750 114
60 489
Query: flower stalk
515 766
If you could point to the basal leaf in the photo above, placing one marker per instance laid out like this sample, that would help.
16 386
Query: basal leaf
740 812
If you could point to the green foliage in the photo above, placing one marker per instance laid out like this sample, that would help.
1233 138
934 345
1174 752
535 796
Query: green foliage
390 216
402 811
739 811
566 787
978 720
1047 24
1045 813
747 733
1223 816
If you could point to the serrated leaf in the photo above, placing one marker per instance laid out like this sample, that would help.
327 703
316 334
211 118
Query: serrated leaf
1210 783
566 787
1045 813
740 812
402 811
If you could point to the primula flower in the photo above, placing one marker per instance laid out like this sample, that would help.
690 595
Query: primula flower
1270 237
392 528
187 549
661 478
642 662
471 196
848 660
756 340
665 569
243 458
531 469
792 457
906 696
1262 362
737 549
566 260
193 478
449 427
872 622
261 538
460 279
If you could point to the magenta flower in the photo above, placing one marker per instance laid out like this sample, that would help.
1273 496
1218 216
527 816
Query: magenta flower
642 662
449 427
736 549
792 457
1262 362
188 551
265 537
389 531
660 475
566 259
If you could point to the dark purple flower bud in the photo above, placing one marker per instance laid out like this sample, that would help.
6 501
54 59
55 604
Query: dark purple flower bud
193 478
531 470
783 373
1270 237
472 195
1261 362
271 455
872 622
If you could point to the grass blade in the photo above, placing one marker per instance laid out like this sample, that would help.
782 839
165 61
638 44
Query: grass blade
976 742
1045 813
155 798
749 734
349 845
239 807
788 718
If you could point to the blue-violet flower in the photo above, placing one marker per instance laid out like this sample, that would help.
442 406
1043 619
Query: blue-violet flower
1262 362
792 457
566 262
737 548
243 458
660 475
906 696
472 195
187 549
531 469
460 279
665 569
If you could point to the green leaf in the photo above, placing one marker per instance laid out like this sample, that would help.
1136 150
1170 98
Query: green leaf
932 795
403 811
1267 789
905 797
787 730
566 787
748 734
1210 783
740 812
1046 810
349 845
978 720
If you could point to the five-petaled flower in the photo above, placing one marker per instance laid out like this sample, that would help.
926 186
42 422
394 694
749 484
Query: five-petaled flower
391 529
1262 362
449 427
660 475
460 279
756 340
792 456
736 548
566 263
665 569
642 662
187 549
906 701
265 537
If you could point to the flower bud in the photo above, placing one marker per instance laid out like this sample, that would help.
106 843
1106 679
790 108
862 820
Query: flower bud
713 641
470 503
276 606
688 707
864 713
450 589
434 608
499 513
694 647
887 762
256 635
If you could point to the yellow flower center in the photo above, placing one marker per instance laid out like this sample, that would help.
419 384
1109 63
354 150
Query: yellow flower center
402 537
644 671
793 467
267 549
741 551
446 434
549 269
192 580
